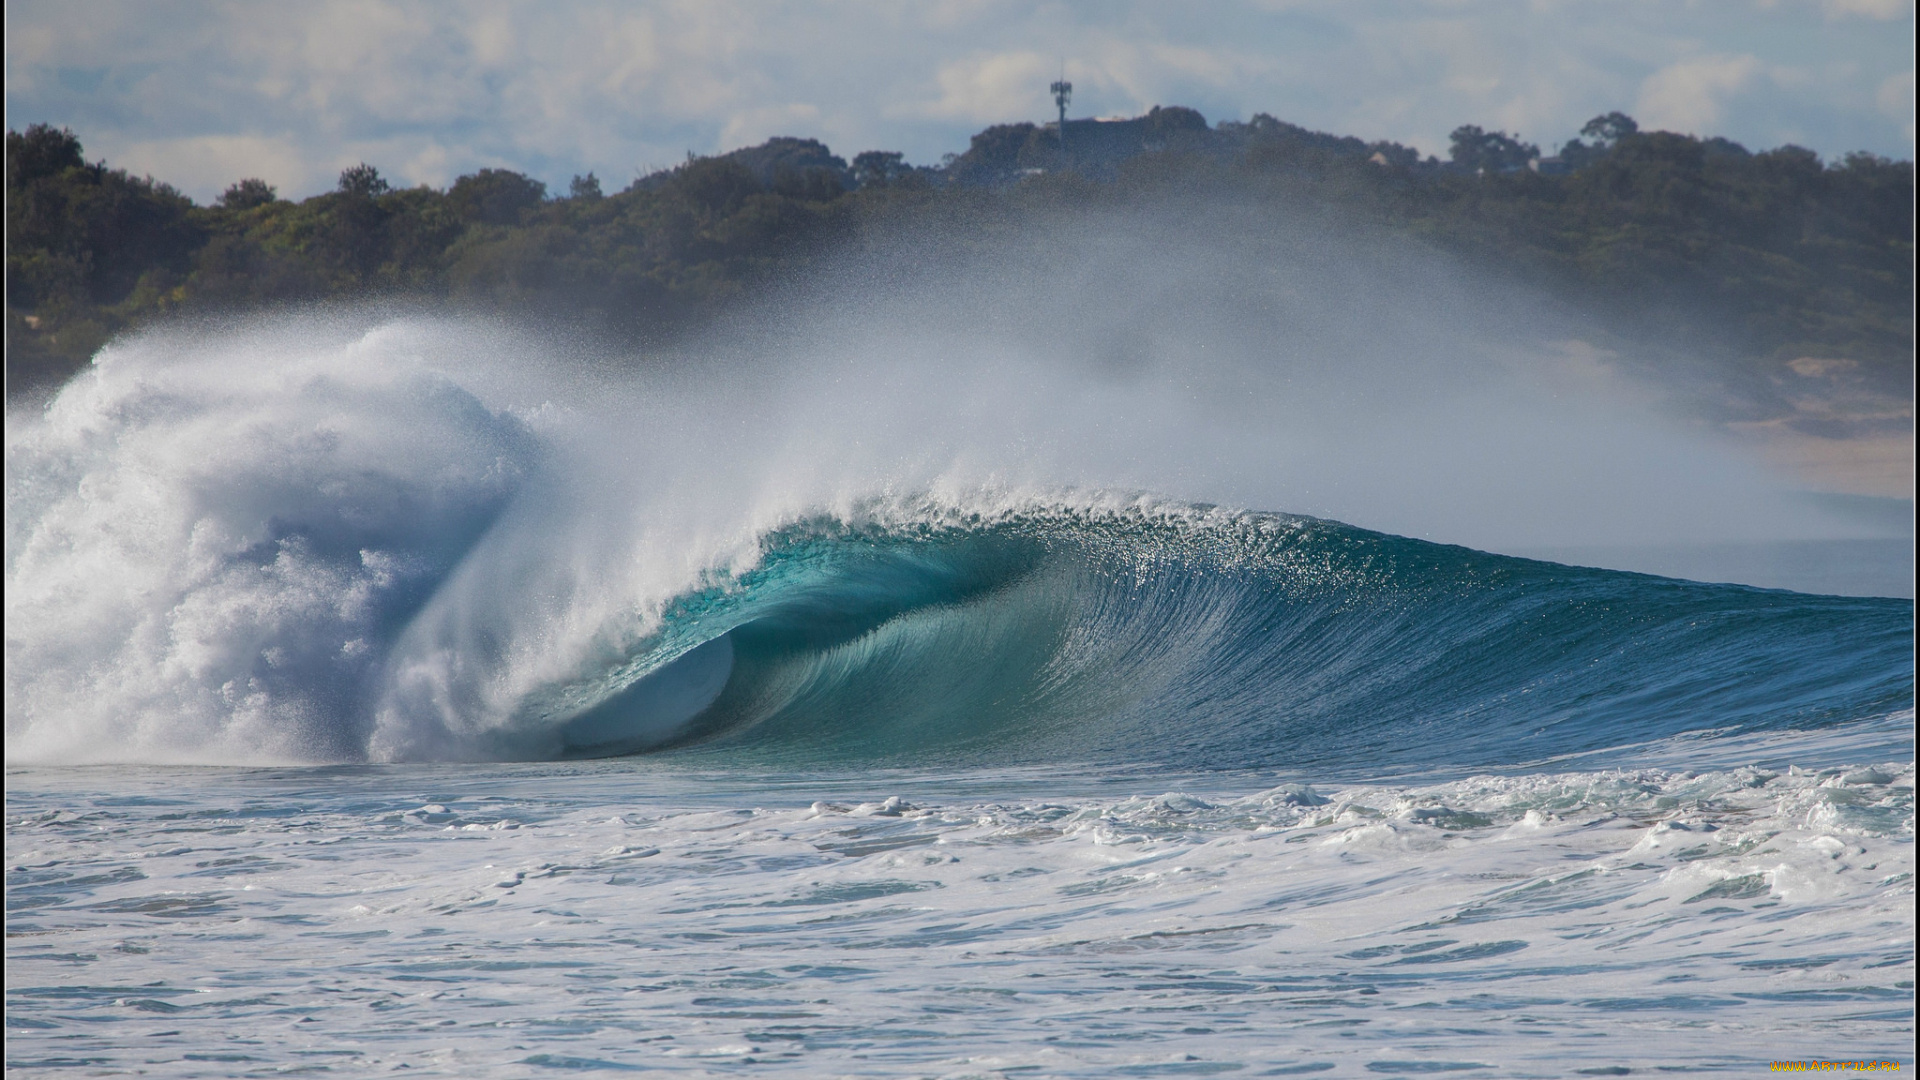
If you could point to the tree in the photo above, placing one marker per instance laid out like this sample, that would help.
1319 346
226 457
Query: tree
879 167
712 188
584 187
795 159
363 180
1606 131
1719 147
248 194
1165 121
41 152
1610 128
84 244
495 196
353 238
1476 150
994 155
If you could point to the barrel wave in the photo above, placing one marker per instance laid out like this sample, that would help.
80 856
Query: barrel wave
1202 638
259 548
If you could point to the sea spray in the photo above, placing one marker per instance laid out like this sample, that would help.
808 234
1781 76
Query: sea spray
328 540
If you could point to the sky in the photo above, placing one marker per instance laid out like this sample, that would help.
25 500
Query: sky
202 93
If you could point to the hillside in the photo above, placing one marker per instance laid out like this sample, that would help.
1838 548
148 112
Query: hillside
1789 277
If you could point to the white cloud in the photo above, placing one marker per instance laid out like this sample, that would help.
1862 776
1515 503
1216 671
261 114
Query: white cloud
758 125
987 88
431 164
1873 9
1148 73
207 162
1896 101
1689 96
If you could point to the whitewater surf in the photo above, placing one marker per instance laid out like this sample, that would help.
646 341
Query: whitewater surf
384 695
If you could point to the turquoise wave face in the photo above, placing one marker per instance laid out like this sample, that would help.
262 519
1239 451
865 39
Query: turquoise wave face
1203 639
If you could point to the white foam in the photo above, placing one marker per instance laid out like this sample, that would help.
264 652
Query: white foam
1624 913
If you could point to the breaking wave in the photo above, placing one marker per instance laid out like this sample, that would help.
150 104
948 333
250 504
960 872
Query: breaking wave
327 558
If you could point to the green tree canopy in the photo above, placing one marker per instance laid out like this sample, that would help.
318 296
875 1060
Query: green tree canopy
363 181
248 194
496 196
1476 150
39 152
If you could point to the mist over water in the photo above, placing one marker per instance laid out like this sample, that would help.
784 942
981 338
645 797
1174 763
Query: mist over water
349 535
1255 359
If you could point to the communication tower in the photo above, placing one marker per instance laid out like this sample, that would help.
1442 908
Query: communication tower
1062 93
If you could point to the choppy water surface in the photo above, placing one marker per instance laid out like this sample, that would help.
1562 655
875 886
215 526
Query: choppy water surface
501 921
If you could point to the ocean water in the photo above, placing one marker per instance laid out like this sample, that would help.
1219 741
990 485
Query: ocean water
363 715
634 916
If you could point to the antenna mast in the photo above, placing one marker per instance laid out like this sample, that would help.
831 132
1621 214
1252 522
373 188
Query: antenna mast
1062 93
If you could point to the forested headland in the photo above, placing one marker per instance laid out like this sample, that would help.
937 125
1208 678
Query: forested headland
1792 271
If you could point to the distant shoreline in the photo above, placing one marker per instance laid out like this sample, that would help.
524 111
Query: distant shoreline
1776 288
